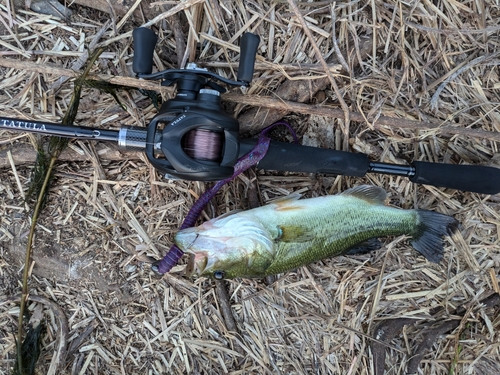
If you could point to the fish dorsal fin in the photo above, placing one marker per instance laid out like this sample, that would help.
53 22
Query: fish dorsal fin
370 193
287 198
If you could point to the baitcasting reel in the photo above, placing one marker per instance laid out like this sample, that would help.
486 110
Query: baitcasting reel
191 137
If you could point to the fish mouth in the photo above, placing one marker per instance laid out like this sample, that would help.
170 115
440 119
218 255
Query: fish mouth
197 263
186 238
198 260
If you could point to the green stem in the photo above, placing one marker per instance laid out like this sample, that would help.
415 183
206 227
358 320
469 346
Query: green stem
27 263
54 149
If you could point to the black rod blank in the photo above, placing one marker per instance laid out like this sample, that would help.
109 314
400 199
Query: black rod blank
394 169
65 131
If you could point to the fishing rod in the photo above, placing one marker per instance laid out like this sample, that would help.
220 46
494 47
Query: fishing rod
192 138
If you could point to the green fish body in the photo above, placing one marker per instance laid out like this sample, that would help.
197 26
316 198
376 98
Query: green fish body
289 233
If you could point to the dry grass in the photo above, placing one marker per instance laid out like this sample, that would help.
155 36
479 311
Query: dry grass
434 62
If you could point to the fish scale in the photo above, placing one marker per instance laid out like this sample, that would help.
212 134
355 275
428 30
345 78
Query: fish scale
339 234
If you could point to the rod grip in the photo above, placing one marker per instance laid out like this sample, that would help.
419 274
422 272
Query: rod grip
290 157
248 51
474 178
144 45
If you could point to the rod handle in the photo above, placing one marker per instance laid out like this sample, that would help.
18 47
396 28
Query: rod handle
248 51
474 178
144 45
290 157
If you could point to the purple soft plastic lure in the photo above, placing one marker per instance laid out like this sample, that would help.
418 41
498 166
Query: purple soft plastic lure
246 161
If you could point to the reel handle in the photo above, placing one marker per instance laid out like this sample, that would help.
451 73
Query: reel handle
248 51
474 178
144 45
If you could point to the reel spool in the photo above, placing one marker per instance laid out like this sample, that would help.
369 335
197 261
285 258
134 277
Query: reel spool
203 144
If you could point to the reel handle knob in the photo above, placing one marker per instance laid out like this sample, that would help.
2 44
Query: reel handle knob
144 45
248 51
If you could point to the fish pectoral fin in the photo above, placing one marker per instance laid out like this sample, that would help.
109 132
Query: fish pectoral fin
364 247
293 233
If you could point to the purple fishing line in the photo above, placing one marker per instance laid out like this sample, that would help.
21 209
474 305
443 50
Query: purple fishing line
246 161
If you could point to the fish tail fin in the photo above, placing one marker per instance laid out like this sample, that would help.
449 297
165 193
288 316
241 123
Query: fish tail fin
432 227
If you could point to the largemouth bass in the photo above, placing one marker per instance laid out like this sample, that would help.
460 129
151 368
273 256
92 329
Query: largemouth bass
289 233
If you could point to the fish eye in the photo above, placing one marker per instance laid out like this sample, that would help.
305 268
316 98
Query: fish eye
219 275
